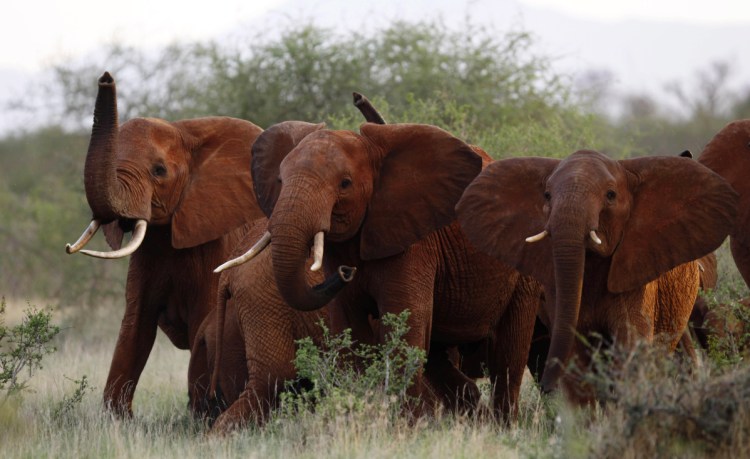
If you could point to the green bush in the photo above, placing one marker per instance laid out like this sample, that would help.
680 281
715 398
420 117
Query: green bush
23 346
350 377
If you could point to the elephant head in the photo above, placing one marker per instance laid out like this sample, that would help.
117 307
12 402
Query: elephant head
728 154
190 174
634 218
381 190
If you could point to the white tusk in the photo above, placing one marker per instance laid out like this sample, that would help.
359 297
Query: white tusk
249 255
700 267
88 233
594 237
317 251
537 237
139 232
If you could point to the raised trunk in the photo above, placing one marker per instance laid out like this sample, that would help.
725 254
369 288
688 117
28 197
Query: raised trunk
100 173
569 257
292 228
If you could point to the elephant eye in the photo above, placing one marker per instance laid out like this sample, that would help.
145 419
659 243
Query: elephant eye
159 170
547 195
611 195
278 179
346 183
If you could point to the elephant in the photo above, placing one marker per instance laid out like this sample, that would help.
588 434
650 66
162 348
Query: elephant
612 242
727 154
185 191
268 328
378 209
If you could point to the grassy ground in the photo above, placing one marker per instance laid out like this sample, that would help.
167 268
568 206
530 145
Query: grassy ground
658 412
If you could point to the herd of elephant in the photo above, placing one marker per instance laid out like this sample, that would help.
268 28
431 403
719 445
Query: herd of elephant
502 264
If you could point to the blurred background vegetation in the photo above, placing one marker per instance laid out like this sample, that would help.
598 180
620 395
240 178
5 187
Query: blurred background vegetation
485 86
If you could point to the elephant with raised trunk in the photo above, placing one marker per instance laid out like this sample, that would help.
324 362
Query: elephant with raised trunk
613 243
185 191
381 201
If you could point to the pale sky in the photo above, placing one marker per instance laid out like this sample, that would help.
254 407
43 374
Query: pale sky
713 12
644 43
36 33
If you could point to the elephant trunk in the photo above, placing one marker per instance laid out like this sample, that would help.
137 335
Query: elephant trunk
292 227
569 228
568 264
100 174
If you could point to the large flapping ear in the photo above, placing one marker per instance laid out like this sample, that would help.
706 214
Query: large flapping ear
268 151
423 171
681 211
503 206
728 154
218 196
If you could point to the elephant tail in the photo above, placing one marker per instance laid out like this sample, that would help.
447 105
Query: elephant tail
221 312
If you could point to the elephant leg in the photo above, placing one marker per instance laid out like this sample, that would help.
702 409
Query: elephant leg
677 292
269 352
252 406
134 344
538 351
741 255
509 355
199 373
418 335
451 386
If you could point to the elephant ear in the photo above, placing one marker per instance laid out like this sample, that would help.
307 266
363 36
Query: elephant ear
681 211
503 206
728 154
269 150
218 196
423 171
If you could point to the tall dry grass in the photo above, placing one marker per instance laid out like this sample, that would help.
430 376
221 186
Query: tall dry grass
655 407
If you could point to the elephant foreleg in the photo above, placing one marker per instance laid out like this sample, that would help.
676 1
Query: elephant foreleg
134 344
509 355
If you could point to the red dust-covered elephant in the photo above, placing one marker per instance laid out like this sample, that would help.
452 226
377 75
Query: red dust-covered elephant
611 241
381 201
185 191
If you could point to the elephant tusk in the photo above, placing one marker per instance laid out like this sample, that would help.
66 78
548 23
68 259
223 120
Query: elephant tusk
594 237
88 233
537 237
138 234
700 267
317 251
247 256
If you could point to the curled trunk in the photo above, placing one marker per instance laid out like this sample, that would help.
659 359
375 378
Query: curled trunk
290 253
294 223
